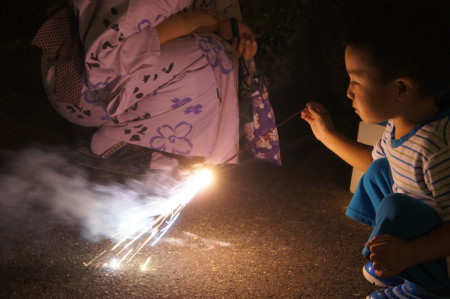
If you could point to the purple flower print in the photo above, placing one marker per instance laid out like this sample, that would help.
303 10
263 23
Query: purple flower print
197 109
173 140
216 57
146 22
177 102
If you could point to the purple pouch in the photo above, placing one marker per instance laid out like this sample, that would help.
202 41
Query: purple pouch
260 130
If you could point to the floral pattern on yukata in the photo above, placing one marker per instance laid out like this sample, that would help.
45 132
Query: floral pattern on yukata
197 109
215 55
173 139
179 102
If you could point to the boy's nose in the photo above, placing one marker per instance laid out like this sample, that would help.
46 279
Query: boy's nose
350 93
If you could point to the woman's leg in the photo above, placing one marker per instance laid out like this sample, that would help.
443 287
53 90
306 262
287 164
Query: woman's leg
87 113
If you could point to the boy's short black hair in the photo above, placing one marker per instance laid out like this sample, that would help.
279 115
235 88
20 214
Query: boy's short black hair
407 39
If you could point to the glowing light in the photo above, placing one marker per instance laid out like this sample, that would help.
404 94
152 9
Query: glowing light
144 228
114 264
144 266
203 178
165 229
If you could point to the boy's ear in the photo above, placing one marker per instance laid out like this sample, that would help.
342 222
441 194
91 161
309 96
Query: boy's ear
405 88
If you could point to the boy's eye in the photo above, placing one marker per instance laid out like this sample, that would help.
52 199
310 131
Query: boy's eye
353 82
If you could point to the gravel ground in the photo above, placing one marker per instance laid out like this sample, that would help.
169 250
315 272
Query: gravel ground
259 232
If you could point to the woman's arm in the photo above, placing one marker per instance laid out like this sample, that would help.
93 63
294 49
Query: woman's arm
185 23
201 21
356 154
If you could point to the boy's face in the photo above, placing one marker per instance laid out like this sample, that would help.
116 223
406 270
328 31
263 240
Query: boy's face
373 102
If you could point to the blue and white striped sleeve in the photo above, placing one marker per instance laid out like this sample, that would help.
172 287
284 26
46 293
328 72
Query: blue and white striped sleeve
378 149
437 177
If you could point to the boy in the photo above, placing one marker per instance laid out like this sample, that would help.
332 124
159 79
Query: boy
398 61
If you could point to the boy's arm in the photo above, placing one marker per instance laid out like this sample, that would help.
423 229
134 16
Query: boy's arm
356 154
391 255
431 246
185 23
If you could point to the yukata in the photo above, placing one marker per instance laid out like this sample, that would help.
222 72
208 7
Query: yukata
406 193
180 97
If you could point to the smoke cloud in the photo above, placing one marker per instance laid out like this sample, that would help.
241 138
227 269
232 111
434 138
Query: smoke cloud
45 185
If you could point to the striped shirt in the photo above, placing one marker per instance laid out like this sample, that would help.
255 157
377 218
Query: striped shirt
420 161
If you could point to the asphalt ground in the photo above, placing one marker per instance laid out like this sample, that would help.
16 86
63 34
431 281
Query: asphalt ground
259 232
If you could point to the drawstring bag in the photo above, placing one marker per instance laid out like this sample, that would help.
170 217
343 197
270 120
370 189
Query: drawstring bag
258 125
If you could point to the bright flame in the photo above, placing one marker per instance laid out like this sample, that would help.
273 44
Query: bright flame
203 177
143 228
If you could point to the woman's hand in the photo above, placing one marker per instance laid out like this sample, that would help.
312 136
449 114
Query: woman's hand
390 255
245 45
319 119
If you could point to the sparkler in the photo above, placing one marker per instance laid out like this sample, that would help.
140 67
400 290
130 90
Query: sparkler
144 229
137 234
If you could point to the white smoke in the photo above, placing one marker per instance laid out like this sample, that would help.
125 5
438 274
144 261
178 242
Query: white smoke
46 185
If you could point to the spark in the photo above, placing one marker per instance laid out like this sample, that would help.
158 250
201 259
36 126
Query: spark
143 229
125 256
87 264
114 264
144 266
165 229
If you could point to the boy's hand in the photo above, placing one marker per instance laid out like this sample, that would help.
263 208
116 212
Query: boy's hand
390 255
319 119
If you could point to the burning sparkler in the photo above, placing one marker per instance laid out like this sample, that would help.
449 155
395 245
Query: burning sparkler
144 229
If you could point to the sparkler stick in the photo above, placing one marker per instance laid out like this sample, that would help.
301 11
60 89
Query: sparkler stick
256 140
